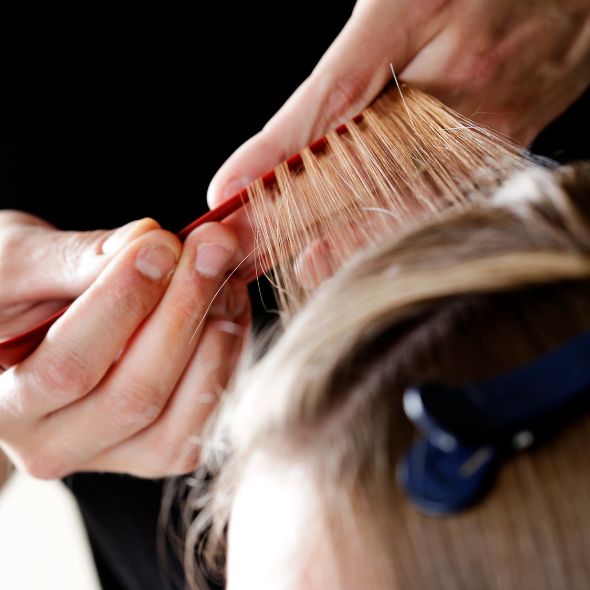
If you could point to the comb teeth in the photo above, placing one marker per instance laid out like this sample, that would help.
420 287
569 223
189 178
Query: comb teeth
319 145
269 179
358 186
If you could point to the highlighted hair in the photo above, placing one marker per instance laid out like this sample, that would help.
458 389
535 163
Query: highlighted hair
477 285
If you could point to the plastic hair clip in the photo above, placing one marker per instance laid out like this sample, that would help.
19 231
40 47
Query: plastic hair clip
468 431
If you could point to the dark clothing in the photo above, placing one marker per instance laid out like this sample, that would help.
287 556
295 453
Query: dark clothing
111 116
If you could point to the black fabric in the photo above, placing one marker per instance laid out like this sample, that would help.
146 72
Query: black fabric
108 114
112 114
121 513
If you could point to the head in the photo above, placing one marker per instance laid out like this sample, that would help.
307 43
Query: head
304 451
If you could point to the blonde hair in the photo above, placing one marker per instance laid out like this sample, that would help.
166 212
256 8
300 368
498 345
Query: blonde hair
444 274
406 158
460 298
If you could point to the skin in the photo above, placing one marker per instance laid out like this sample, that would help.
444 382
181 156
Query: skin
278 539
124 381
271 540
514 66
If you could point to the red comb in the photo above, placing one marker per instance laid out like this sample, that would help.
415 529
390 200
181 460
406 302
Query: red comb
16 349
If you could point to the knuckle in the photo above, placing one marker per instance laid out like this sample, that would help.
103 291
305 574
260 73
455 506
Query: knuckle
345 94
188 311
268 141
475 72
131 298
137 404
484 72
177 455
64 375
78 246
71 252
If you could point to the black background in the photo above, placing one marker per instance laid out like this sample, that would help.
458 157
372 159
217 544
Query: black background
109 115
112 114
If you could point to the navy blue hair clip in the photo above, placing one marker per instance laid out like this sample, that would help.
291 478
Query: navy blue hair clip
468 430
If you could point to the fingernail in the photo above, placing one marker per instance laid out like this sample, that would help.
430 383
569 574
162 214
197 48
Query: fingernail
155 261
314 265
212 259
236 185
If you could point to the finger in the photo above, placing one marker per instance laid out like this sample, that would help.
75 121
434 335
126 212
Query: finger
20 316
349 76
40 263
81 346
136 390
315 264
250 249
327 254
171 446
10 217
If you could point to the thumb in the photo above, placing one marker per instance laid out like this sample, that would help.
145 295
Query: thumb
40 263
349 76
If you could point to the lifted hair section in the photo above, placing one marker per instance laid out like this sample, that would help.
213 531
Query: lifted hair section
399 163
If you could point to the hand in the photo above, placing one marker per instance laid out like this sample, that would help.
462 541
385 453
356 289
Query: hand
126 378
514 66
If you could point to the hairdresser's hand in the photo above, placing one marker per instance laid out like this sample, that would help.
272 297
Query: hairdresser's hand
512 65
126 378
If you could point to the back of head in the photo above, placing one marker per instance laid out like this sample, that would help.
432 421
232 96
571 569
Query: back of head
466 296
